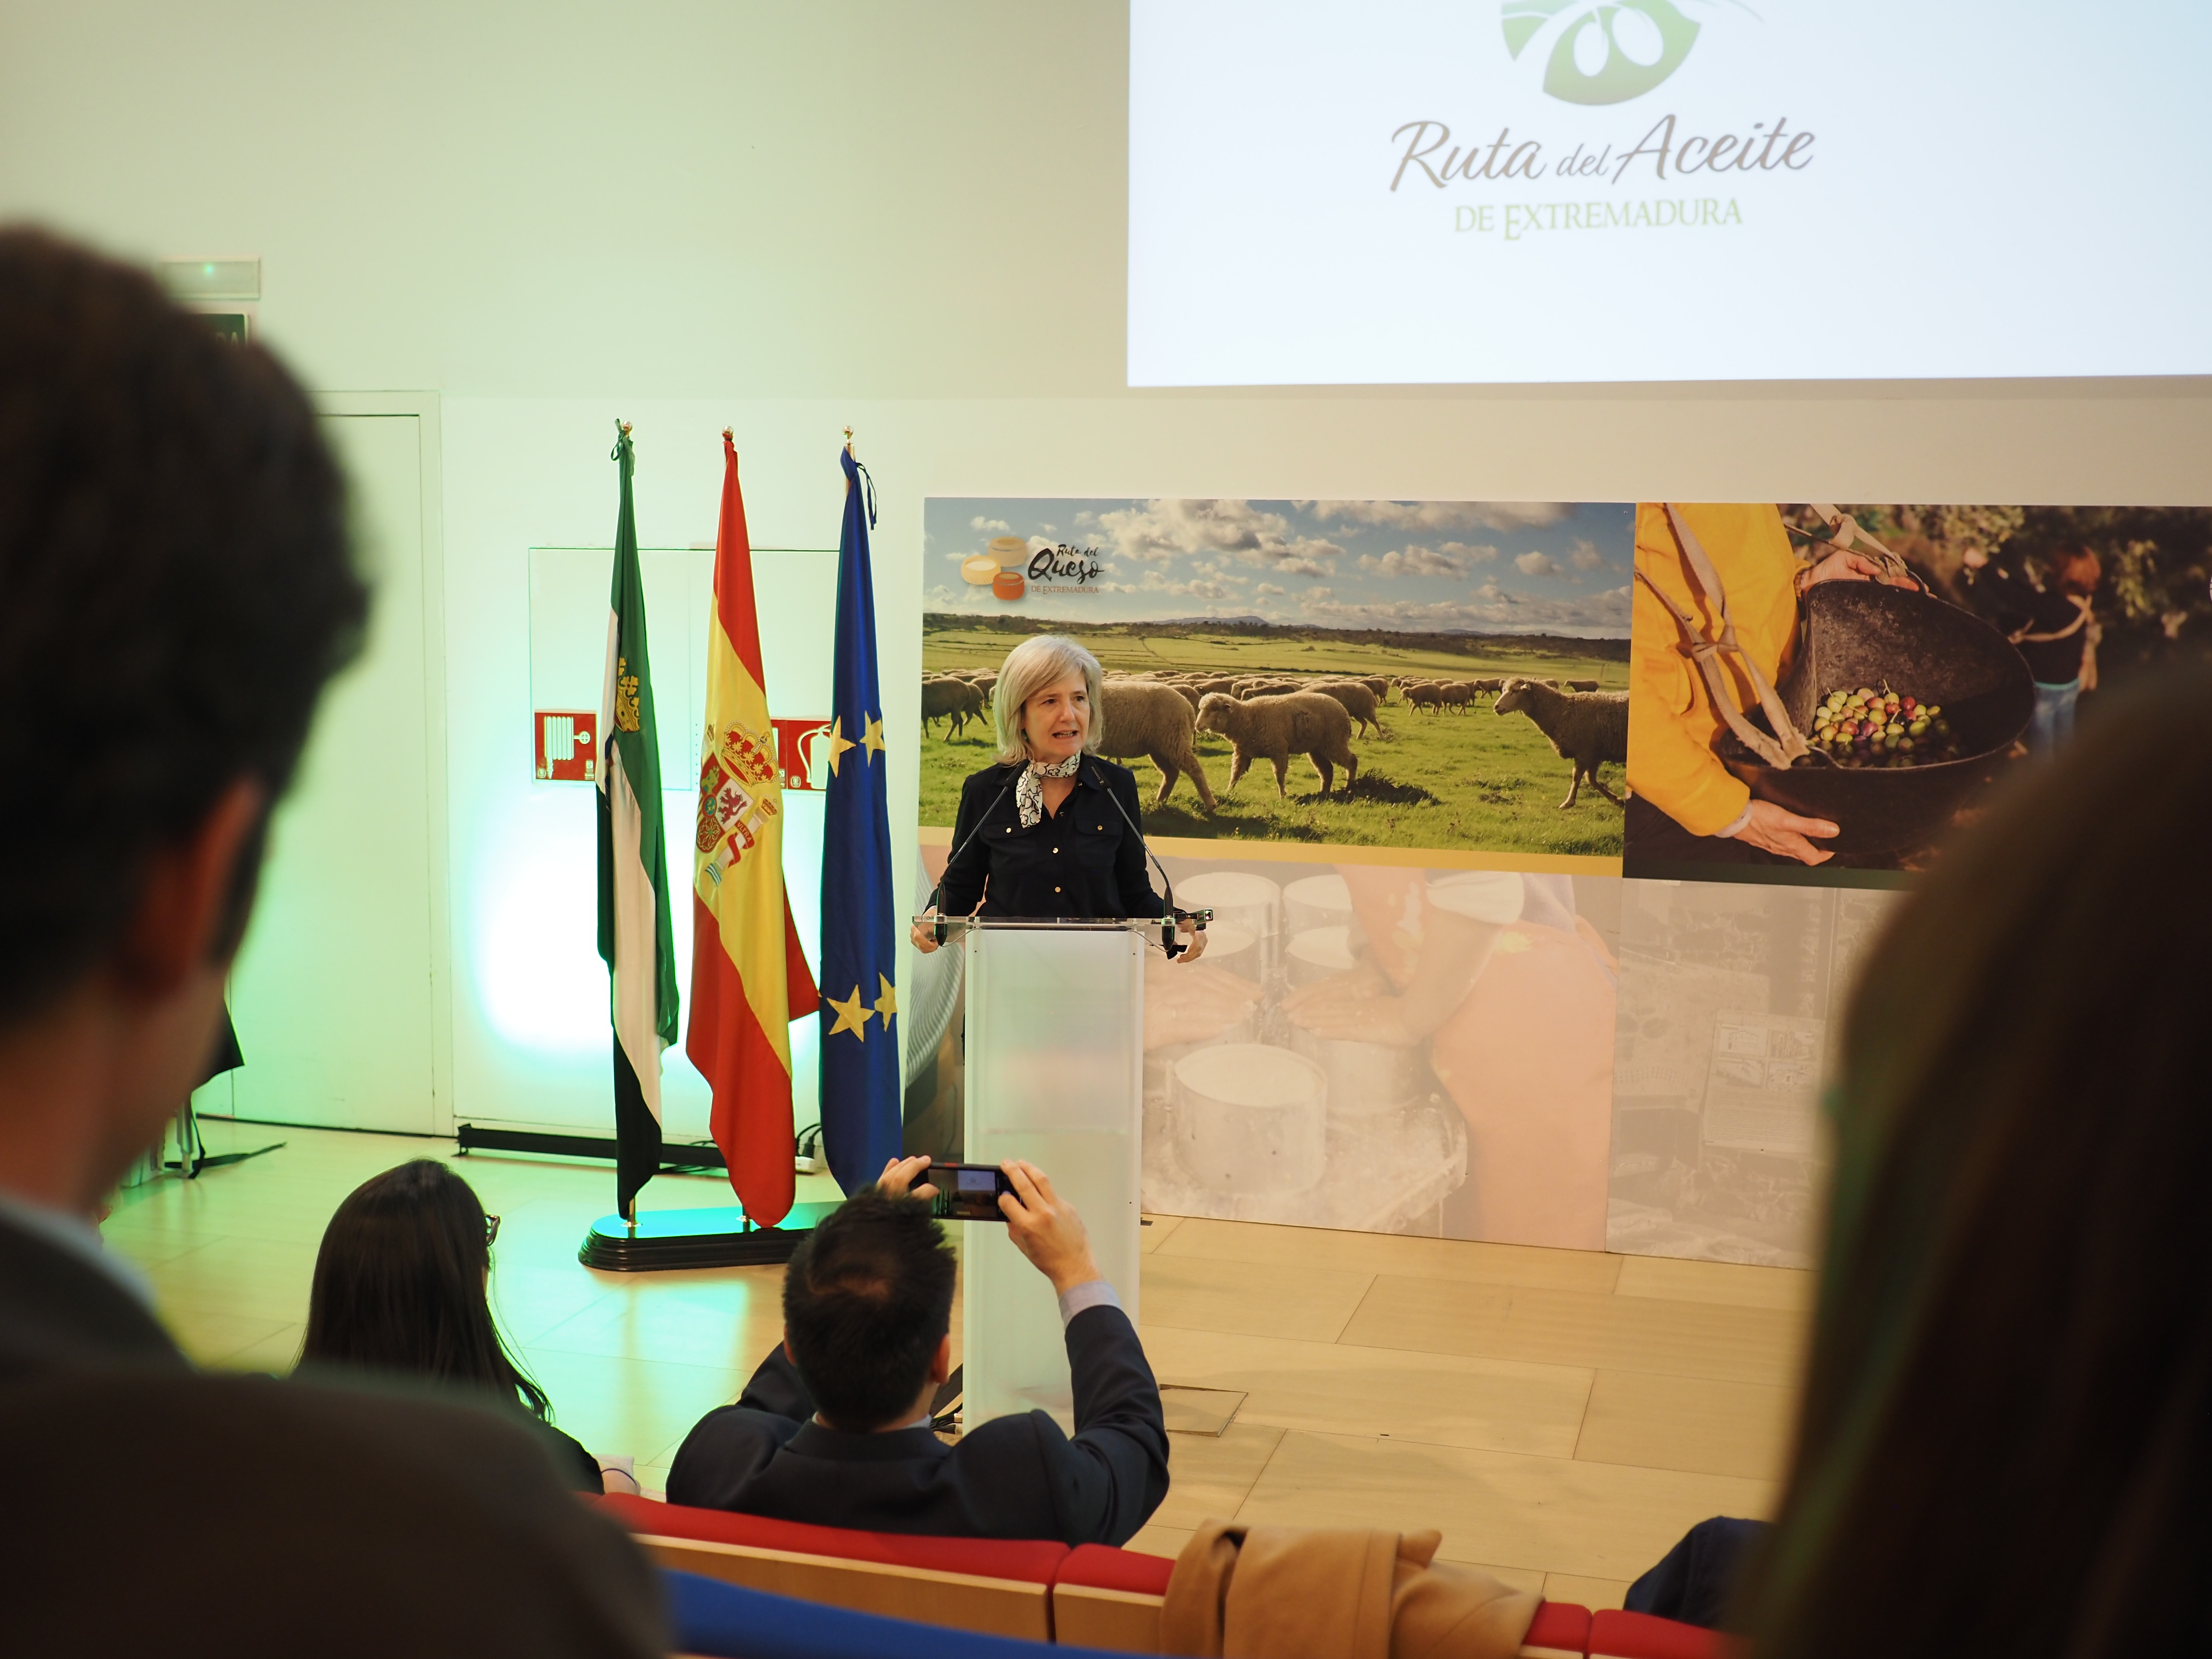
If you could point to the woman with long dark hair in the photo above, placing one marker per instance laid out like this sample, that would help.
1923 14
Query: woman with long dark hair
2006 1439
401 1286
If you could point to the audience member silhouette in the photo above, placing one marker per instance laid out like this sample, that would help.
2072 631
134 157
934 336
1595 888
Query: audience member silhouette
176 586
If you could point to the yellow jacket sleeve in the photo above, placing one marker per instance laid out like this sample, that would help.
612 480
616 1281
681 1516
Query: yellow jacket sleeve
1672 723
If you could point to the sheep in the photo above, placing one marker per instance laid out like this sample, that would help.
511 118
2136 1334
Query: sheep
983 679
1186 692
1140 717
1359 700
1377 684
954 702
1456 694
1424 693
1492 685
1582 685
1295 722
1587 727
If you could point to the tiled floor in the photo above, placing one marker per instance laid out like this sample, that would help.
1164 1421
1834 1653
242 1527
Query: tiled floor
1561 1417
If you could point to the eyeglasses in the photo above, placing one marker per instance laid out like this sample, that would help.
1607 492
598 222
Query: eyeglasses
491 1229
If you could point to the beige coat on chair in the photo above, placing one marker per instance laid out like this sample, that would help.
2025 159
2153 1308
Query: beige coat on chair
1313 1593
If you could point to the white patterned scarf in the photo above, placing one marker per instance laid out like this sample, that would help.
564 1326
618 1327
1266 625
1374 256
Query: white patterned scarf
1028 793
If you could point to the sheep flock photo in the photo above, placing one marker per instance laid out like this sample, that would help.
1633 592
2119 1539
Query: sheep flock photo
1402 674
1330 736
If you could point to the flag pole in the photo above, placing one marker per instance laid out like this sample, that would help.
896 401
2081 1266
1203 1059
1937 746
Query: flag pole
746 965
629 1216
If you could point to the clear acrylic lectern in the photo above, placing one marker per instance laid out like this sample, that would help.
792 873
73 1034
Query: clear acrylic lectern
1056 1073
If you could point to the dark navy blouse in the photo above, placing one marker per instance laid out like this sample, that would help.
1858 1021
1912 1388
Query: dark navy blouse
1081 861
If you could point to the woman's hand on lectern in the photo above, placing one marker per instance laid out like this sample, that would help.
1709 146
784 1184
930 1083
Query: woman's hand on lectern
898 1176
923 935
1194 942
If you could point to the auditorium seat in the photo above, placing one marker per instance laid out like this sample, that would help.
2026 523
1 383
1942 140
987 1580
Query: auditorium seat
1090 1597
1618 1634
997 1587
1109 1598
712 1620
1560 1630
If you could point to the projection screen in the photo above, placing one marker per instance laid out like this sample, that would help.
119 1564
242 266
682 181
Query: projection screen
1467 190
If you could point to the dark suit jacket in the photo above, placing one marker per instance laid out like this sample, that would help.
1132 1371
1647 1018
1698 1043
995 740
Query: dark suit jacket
302 1518
1013 1477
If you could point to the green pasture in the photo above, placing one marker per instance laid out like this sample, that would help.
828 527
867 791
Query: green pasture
1474 780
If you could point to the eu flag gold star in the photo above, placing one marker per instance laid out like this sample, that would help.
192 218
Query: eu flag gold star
839 743
873 737
887 1003
852 1015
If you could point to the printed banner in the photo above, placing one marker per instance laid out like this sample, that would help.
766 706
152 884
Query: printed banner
1913 656
1412 615
1455 984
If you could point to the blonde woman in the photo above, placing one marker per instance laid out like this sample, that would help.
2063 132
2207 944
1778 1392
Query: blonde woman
1049 828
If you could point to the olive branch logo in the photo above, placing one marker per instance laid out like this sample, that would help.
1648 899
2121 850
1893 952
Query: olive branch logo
1599 52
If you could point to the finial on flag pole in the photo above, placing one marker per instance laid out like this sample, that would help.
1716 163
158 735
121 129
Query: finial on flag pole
849 443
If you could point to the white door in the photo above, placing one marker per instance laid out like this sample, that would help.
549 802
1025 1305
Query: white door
333 991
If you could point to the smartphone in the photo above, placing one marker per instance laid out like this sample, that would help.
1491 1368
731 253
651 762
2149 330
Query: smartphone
966 1192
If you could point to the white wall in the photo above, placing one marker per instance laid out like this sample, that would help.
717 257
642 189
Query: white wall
789 219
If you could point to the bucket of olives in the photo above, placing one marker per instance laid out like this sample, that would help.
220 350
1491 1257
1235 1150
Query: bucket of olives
1867 727
1906 702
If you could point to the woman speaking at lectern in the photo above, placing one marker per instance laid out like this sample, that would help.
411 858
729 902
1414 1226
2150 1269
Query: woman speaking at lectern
1049 829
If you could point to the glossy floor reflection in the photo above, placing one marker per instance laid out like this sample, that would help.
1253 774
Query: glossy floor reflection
1561 1416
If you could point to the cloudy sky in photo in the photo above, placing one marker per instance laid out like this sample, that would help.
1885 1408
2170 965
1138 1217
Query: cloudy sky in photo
1484 567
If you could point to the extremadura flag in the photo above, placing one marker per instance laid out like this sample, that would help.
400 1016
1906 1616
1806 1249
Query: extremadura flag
633 930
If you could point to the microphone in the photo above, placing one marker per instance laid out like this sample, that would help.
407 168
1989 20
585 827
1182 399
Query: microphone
939 929
1168 943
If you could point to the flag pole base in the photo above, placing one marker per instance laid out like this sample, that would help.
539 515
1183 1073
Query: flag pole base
666 1241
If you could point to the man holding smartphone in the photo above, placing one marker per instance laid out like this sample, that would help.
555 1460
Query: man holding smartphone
834 1428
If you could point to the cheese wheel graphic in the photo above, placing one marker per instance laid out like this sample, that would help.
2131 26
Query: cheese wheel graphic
1010 549
1009 584
979 570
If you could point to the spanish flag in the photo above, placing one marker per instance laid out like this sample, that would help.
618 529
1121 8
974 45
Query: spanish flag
749 976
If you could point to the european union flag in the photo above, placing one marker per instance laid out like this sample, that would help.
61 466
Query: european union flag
860 1128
